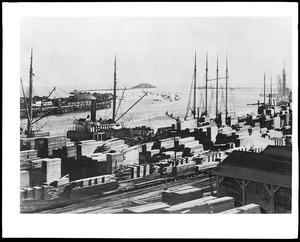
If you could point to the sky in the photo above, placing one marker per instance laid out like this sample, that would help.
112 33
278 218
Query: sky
158 50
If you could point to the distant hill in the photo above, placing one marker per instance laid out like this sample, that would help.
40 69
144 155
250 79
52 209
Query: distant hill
143 85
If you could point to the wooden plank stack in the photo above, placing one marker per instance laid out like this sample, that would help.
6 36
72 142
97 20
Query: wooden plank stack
50 143
147 208
27 143
197 205
116 159
183 141
181 195
131 156
247 209
220 204
51 169
87 147
28 154
24 179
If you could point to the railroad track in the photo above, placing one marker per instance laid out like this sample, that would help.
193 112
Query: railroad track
116 202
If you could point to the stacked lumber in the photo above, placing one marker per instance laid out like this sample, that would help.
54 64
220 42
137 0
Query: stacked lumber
220 204
24 179
27 143
116 159
193 148
71 150
50 143
194 206
40 134
29 193
181 195
247 209
87 147
131 156
22 194
28 154
96 164
147 208
96 180
51 169
116 145
186 140
37 190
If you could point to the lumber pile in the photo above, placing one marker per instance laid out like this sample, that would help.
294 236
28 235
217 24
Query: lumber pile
27 143
96 165
63 180
181 195
87 147
28 154
51 169
147 208
116 159
194 206
247 209
47 144
40 134
220 204
131 155
193 148
24 179
117 145
183 141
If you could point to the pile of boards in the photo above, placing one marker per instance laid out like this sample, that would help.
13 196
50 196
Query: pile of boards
246 209
180 195
51 169
46 145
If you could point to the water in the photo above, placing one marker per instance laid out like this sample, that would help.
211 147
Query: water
152 113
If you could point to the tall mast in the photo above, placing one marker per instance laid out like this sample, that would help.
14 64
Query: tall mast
217 86
226 114
264 88
195 78
30 98
283 80
115 91
271 92
206 79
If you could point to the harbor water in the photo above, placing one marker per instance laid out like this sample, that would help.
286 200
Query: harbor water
151 110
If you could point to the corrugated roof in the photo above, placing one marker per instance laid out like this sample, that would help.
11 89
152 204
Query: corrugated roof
256 167
278 151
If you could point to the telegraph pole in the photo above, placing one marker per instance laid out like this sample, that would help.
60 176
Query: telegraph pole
226 114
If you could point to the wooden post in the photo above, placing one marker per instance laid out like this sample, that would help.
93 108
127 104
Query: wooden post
218 187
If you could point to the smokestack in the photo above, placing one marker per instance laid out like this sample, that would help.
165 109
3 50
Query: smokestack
93 111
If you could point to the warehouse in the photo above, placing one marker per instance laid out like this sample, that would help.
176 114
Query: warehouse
263 178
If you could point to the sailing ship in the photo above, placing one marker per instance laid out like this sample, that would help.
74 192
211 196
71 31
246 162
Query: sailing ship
90 128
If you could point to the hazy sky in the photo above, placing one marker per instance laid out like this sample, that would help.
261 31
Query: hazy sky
160 51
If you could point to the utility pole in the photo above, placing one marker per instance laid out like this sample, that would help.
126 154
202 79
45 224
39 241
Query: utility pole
226 114
206 77
30 98
217 86
115 92
195 88
264 88
271 92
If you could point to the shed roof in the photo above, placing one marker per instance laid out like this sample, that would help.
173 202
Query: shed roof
256 167
278 151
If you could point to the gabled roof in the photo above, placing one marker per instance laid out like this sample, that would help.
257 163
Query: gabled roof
256 167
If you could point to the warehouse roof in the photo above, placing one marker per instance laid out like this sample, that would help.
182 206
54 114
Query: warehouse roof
278 151
256 167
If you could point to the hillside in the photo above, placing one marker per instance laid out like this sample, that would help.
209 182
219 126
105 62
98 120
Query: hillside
143 85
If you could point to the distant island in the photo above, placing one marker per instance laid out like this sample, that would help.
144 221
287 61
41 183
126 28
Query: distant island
143 85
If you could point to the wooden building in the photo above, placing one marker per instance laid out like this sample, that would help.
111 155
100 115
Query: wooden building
263 178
